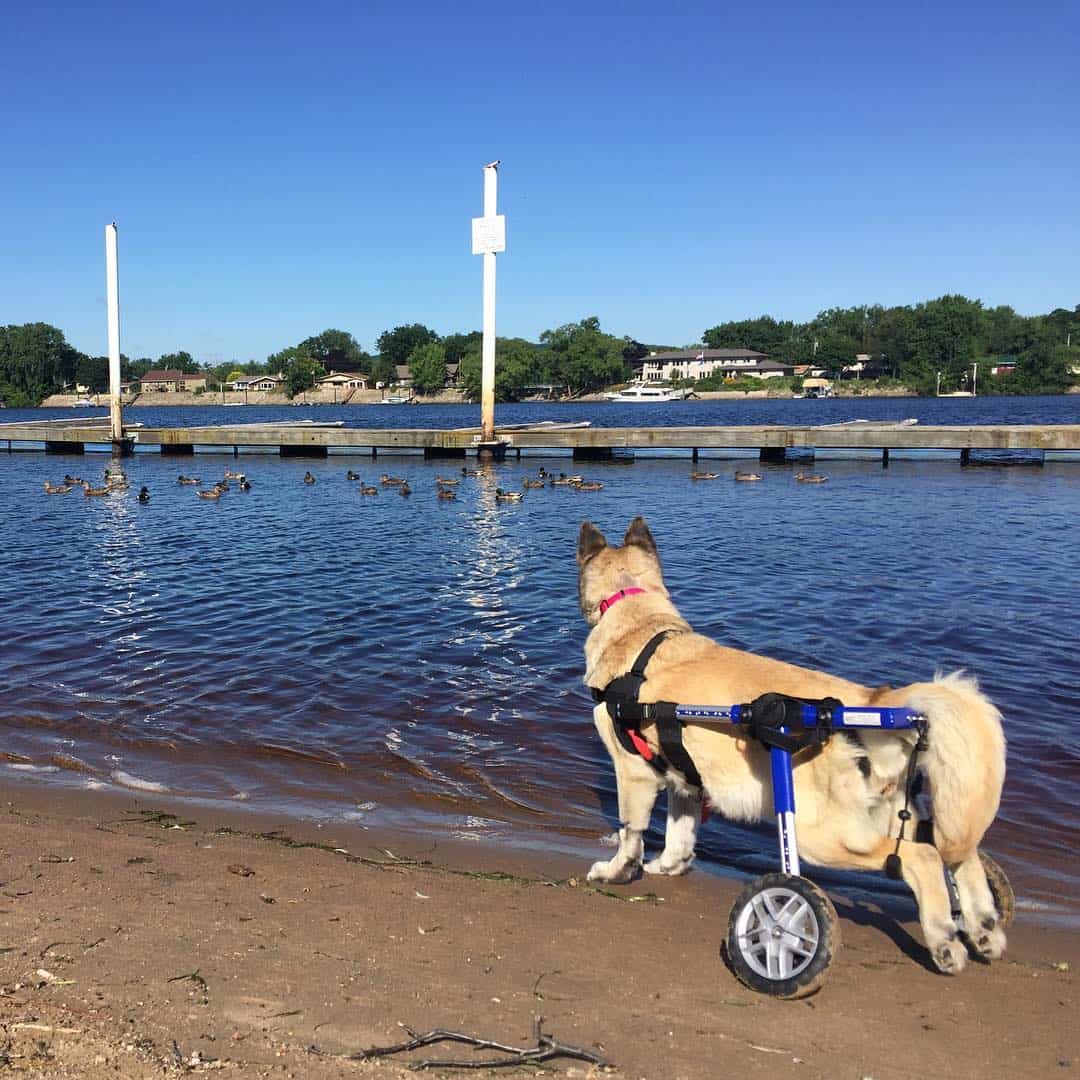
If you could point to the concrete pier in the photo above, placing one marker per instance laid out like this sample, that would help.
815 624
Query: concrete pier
772 442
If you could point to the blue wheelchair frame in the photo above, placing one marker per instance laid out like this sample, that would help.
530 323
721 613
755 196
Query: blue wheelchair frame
851 717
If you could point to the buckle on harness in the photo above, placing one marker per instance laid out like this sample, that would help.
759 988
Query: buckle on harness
775 720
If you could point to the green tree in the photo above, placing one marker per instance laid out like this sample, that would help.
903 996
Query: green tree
582 357
516 367
398 345
35 360
383 370
428 366
458 346
764 334
337 350
299 368
93 372
178 361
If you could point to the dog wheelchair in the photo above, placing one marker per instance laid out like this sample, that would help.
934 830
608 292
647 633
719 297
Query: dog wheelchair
783 931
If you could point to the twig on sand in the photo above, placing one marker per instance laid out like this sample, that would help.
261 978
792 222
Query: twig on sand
547 1048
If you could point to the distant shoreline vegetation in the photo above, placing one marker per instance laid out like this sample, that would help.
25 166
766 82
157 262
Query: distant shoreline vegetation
914 348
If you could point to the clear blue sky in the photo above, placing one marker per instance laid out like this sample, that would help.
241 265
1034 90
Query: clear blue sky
277 169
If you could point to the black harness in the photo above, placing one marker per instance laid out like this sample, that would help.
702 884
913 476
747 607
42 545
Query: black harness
771 719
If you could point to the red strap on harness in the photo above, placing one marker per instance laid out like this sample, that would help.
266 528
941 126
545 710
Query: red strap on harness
605 604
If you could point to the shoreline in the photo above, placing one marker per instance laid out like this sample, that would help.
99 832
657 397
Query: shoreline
262 399
129 929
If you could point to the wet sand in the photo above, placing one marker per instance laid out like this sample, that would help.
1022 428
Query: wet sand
133 939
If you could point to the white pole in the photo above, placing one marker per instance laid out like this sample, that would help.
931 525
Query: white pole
974 379
487 354
112 292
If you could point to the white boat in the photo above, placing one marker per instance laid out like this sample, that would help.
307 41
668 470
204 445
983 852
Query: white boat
645 392
82 403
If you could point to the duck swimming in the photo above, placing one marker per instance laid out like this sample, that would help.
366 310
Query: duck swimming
528 484
588 485
404 489
368 489
508 496
747 477
144 494
391 481
350 475
57 489
703 475
447 481
566 481
233 475
446 493
810 478
308 478
213 493
245 484
89 492
470 472
181 479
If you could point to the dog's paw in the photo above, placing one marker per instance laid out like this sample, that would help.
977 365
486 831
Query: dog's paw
614 872
987 940
949 954
669 869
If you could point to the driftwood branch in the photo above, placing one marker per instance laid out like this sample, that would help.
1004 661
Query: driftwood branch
547 1048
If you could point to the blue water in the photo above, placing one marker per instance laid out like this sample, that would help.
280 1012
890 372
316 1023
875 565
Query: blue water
417 663
1058 409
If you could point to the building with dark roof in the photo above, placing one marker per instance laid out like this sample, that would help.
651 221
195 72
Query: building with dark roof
699 363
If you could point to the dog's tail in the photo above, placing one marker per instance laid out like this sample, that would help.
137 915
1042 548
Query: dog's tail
964 761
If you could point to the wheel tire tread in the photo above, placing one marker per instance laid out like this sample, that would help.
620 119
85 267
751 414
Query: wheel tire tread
806 982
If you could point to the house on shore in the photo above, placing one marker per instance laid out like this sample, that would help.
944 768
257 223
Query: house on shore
168 380
345 380
700 363
257 382
403 376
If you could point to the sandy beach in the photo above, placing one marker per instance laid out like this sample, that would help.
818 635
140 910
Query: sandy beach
141 939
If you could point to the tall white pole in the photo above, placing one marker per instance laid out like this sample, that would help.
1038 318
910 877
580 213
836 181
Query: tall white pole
487 355
112 293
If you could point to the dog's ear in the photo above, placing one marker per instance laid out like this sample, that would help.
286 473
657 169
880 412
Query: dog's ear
590 542
638 534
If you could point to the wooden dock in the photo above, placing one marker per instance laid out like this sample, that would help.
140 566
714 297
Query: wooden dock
587 443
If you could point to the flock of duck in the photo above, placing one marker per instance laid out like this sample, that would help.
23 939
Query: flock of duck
116 482
219 488
752 477
445 486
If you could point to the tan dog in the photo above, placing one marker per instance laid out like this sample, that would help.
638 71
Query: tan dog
847 795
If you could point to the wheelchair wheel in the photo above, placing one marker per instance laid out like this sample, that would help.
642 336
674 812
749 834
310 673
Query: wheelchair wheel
782 936
1000 889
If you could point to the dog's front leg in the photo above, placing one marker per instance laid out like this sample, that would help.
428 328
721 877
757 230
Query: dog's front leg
637 796
680 837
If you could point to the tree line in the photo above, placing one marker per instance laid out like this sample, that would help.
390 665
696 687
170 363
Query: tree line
911 344
914 343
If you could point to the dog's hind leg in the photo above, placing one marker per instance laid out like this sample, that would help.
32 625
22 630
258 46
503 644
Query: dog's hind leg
638 789
923 871
984 931
680 837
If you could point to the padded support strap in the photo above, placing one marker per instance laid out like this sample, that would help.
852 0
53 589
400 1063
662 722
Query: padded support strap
621 699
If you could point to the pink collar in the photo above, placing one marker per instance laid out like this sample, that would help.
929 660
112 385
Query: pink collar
611 600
